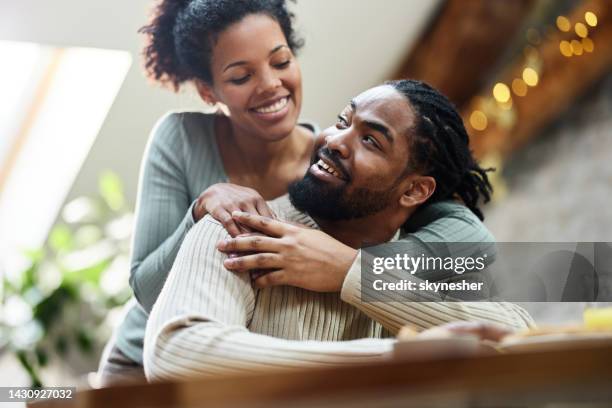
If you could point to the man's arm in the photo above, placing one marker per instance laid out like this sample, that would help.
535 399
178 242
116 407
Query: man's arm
199 324
437 223
309 258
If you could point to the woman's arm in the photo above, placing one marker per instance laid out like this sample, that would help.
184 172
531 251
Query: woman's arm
163 210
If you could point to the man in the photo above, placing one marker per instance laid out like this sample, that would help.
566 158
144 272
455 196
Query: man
369 174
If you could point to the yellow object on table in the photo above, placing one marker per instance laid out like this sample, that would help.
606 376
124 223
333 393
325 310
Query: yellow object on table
598 318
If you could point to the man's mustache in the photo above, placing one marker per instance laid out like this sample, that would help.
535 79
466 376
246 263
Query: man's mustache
329 155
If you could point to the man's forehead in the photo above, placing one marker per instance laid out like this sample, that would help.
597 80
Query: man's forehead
387 104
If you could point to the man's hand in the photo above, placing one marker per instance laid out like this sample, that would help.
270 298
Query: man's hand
295 255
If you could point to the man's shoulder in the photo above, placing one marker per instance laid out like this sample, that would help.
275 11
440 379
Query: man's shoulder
285 211
207 231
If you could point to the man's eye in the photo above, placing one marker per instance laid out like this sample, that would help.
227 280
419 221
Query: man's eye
342 122
282 65
371 140
240 81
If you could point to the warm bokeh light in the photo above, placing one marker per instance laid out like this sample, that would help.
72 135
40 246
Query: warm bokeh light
588 45
501 92
566 48
531 52
581 30
505 105
530 76
533 36
563 24
590 18
478 120
519 87
576 47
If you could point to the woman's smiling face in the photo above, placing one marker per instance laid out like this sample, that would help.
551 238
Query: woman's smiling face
257 77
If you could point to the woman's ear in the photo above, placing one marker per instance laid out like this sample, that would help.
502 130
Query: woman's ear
419 189
206 92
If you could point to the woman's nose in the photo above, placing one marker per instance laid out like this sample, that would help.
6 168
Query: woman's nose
269 81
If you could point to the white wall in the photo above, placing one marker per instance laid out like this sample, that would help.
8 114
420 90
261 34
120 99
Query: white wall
350 45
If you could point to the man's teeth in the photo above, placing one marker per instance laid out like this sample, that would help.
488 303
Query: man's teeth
328 168
275 107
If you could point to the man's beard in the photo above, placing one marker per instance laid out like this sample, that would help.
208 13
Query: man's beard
334 203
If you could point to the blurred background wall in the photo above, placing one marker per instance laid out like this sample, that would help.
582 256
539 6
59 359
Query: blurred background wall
350 45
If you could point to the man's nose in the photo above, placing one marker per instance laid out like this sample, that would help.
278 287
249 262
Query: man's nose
339 143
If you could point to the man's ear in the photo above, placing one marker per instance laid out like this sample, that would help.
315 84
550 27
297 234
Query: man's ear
206 92
419 189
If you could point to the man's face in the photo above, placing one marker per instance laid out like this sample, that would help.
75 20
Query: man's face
358 165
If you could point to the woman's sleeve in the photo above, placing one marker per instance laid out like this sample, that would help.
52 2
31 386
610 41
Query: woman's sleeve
163 210
445 222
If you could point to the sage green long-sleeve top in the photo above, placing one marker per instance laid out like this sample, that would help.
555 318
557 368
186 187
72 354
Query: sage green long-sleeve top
181 161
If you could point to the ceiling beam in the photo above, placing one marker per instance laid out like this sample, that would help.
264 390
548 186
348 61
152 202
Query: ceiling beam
463 44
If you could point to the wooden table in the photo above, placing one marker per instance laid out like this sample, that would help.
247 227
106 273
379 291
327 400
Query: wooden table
576 375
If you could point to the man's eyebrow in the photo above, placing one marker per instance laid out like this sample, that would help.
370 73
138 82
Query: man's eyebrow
379 127
237 63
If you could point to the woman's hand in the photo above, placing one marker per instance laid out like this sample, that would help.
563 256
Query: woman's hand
294 255
220 200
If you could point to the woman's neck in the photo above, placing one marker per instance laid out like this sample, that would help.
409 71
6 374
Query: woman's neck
264 157
266 166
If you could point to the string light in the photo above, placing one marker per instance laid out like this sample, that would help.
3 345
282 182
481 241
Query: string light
563 24
581 30
588 45
519 87
576 47
590 18
566 48
501 92
478 120
530 76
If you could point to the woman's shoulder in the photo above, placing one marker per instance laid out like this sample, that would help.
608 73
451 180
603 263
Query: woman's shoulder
310 125
450 220
184 124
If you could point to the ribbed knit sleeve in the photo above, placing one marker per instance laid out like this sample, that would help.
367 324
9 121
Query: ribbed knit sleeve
163 210
448 222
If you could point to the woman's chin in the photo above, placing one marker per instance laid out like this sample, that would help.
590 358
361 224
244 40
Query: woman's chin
278 131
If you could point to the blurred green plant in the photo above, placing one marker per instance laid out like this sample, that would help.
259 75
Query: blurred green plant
60 303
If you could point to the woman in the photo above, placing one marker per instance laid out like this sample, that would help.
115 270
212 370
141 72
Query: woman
239 54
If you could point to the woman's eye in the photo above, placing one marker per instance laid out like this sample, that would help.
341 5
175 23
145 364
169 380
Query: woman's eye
240 81
282 65
342 122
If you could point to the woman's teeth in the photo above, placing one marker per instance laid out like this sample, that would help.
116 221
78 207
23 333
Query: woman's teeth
275 107
324 166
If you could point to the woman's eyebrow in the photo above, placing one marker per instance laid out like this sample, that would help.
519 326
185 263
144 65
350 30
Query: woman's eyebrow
237 63
278 47
234 64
